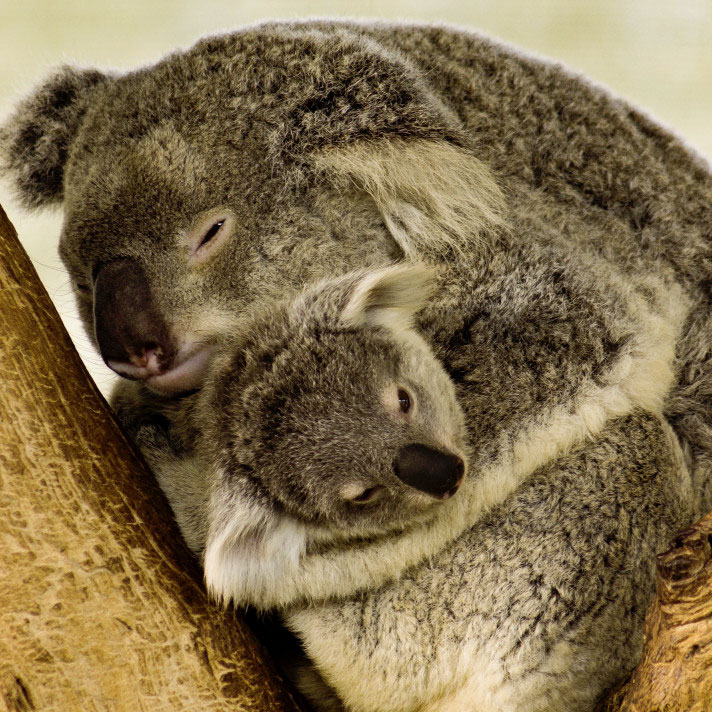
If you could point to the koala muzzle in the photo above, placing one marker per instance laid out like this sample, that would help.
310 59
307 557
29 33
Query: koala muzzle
439 474
134 340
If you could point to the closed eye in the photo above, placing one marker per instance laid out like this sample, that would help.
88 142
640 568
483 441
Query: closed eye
212 231
369 495
208 235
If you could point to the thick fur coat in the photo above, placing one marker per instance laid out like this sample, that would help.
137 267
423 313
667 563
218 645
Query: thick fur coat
572 239
524 590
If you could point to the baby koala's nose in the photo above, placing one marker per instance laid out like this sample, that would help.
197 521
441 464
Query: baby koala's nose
437 473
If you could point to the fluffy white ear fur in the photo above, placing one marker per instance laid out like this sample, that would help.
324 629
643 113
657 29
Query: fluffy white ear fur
389 297
250 550
435 198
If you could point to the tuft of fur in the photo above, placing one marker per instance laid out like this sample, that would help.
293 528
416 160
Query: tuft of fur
434 197
390 297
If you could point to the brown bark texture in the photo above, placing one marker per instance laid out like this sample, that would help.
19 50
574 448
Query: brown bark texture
675 670
101 604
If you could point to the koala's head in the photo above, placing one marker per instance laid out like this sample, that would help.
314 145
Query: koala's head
328 419
247 166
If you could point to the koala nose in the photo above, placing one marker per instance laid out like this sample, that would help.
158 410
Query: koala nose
133 338
437 473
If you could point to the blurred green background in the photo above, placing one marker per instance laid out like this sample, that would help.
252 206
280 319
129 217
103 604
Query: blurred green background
656 53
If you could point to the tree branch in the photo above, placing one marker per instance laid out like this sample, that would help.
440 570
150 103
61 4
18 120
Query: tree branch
675 669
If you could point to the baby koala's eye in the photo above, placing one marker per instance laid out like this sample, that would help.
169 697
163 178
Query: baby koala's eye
210 234
404 400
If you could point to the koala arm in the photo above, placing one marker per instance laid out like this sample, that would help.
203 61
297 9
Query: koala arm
180 474
538 607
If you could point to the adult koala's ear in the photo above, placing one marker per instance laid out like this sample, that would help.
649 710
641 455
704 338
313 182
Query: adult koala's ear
35 141
389 297
435 197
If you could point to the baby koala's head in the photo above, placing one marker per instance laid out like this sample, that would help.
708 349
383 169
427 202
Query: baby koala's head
325 424
333 410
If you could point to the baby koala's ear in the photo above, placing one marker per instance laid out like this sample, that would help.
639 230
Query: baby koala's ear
389 297
35 141
252 551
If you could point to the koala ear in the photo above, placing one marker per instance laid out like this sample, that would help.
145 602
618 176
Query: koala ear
435 198
250 550
35 141
389 297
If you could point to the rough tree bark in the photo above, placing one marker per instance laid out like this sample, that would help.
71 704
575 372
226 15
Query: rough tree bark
101 605
675 670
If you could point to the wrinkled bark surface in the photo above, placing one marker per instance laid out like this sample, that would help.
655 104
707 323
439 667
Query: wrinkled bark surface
101 605
675 670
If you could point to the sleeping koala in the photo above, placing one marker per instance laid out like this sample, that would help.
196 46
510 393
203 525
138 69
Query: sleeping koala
427 557
259 161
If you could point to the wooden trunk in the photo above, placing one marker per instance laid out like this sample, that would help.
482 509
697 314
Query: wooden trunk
101 604
675 669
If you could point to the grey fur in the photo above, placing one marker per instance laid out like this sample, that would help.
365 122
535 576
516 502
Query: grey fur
593 255
519 593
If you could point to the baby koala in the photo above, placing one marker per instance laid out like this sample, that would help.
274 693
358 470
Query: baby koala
333 412
325 423
325 470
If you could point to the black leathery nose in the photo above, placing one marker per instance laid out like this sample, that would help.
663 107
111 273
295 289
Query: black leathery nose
126 321
428 470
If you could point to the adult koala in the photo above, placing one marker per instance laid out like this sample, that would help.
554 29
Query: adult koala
264 159
255 162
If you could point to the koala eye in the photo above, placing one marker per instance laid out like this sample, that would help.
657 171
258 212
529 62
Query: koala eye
404 400
369 495
210 234
82 288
